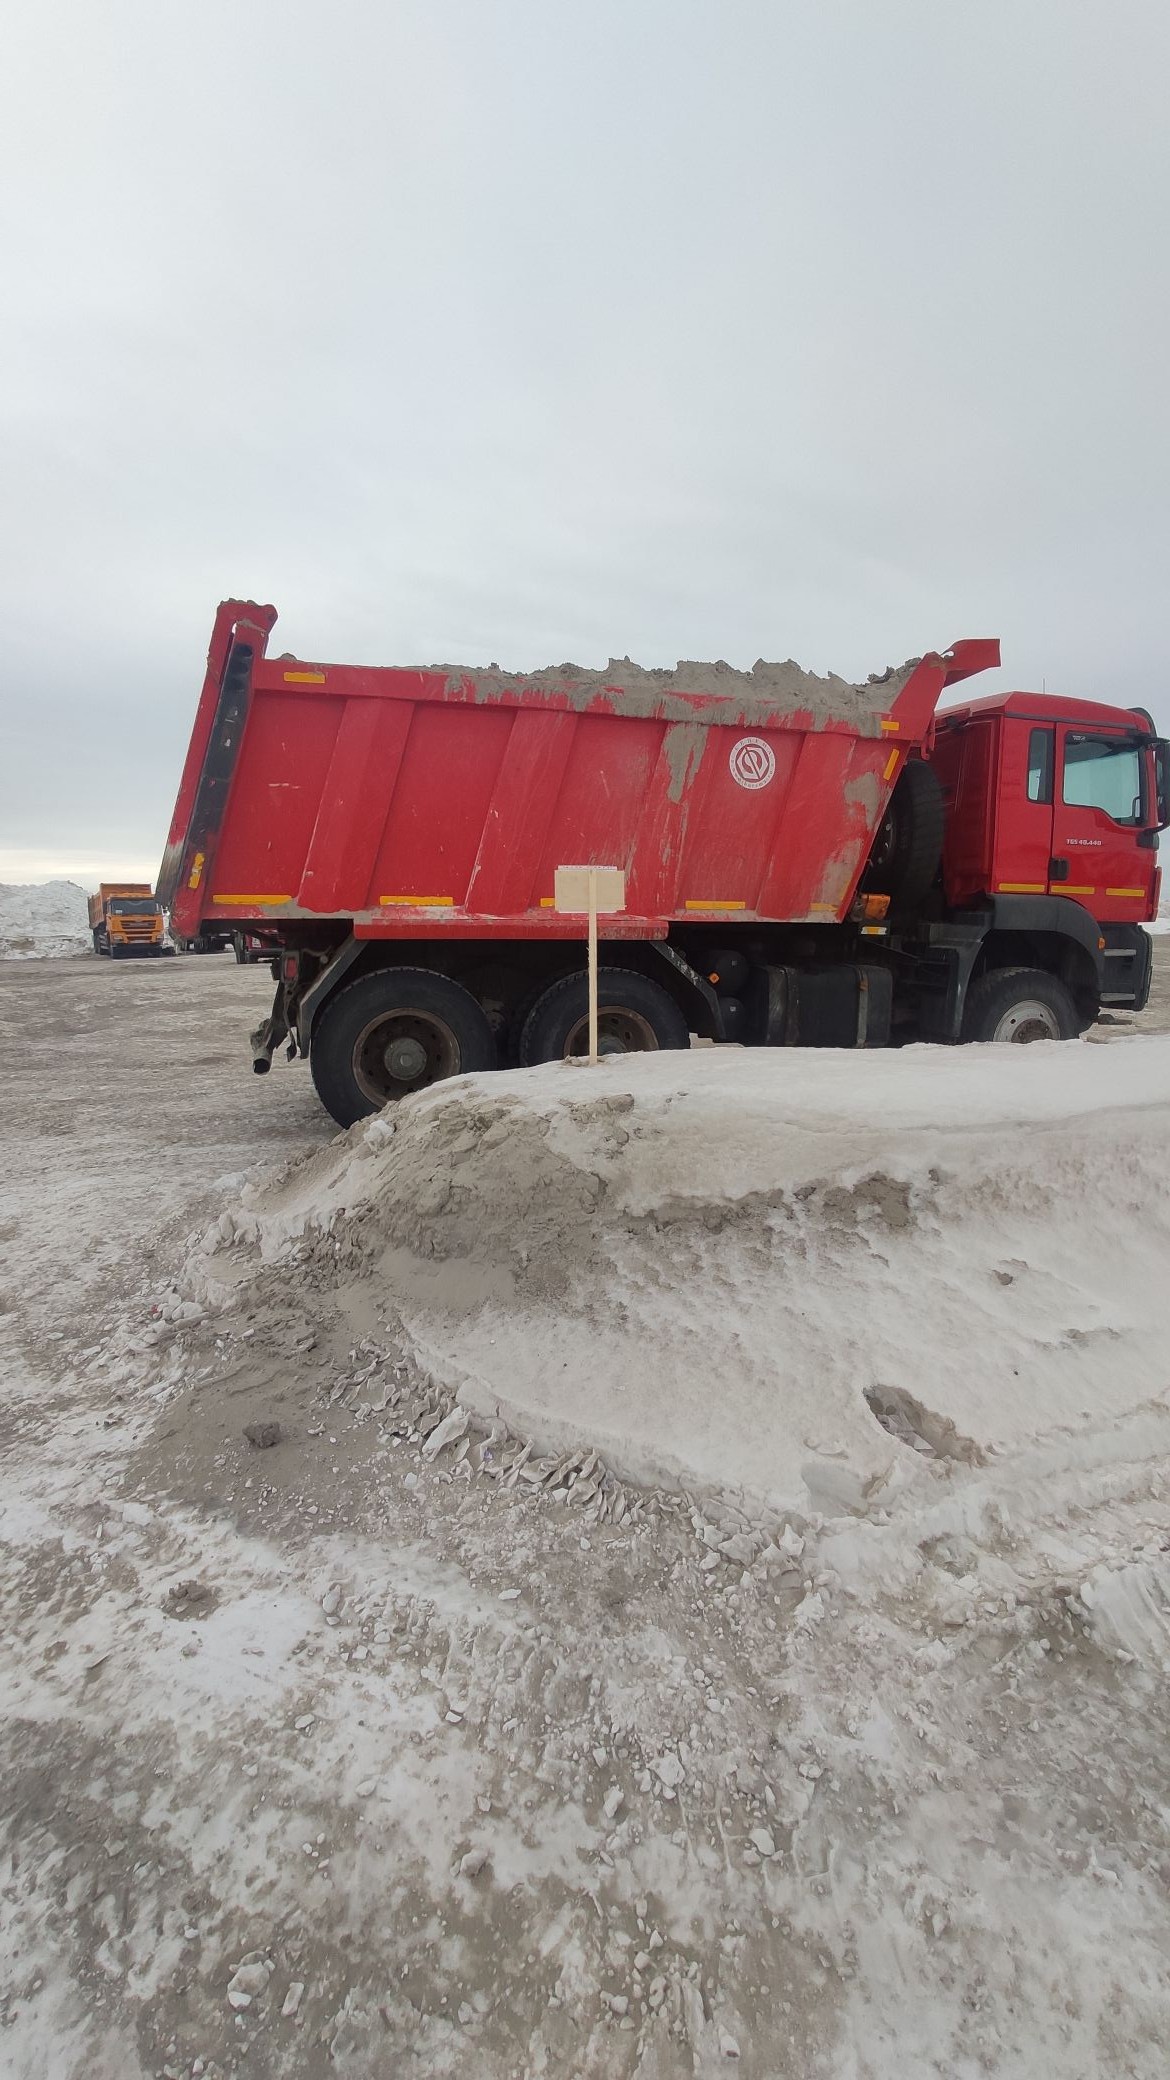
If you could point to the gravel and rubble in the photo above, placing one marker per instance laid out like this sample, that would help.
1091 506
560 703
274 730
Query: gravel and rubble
406 1742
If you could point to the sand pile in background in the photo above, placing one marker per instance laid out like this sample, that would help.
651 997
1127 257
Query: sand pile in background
43 920
807 1278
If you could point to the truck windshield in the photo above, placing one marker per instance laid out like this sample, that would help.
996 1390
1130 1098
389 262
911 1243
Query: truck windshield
133 906
1105 773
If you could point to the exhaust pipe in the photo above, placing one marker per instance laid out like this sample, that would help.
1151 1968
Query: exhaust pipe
270 1034
262 1042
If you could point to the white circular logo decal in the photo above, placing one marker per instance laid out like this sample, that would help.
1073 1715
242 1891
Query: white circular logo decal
753 762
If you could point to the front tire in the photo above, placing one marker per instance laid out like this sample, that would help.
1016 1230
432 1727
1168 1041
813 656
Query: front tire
391 1034
1019 1005
634 1016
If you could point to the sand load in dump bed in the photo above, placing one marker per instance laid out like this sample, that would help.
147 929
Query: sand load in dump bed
634 689
806 1279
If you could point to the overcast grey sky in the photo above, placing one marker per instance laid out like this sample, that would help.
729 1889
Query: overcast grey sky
512 329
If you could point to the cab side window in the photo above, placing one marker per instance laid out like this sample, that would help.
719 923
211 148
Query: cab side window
1040 763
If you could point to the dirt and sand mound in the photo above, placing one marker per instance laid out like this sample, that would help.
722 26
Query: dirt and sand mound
43 920
396 1741
767 689
761 1275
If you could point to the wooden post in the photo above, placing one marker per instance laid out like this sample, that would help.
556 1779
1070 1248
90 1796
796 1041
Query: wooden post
589 890
593 966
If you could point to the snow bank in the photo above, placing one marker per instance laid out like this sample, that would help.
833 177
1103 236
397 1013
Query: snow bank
810 1278
43 920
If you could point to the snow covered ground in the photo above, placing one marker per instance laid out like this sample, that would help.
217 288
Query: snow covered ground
811 1726
44 920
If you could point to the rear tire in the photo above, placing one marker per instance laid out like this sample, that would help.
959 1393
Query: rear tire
519 1019
1020 1005
635 1016
392 1033
908 846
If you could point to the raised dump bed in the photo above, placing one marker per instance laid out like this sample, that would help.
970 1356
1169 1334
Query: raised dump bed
405 801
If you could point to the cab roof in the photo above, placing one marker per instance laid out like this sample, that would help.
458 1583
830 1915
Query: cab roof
1049 707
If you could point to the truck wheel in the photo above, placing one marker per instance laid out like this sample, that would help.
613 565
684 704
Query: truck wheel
392 1033
1019 1005
516 1024
634 1016
908 846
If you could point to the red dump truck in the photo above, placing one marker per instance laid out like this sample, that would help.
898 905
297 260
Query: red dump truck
807 862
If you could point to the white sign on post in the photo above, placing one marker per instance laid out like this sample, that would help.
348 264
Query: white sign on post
590 891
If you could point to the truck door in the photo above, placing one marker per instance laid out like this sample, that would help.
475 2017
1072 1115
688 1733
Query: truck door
1103 823
1023 838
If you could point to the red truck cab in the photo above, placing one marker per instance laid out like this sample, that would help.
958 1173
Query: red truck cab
1054 801
1052 797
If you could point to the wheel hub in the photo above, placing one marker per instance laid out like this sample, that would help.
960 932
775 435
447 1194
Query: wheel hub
619 1031
406 1058
1027 1022
403 1051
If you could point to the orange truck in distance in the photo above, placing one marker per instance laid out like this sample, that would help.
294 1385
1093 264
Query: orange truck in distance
126 918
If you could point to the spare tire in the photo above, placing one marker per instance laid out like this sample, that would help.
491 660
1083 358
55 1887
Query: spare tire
908 847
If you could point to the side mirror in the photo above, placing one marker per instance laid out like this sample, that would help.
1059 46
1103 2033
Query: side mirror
1162 781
